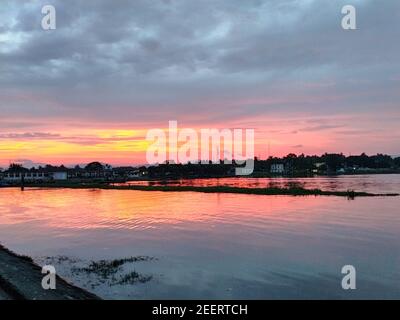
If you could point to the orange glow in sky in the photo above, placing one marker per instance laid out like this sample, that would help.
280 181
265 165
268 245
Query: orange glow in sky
77 144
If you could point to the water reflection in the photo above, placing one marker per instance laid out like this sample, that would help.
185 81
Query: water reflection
212 245
385 183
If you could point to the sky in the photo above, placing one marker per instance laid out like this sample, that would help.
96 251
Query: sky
112 70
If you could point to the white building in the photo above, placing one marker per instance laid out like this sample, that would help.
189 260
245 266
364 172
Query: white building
34 176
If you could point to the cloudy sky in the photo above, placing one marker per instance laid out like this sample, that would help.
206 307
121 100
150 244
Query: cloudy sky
111 70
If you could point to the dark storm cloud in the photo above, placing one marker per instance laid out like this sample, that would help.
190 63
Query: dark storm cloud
156 60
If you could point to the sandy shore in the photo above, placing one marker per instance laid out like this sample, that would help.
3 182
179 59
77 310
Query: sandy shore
20 278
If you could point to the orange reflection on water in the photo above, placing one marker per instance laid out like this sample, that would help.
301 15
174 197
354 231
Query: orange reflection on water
205 241
93 209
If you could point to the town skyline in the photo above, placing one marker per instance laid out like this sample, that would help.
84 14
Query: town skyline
31 165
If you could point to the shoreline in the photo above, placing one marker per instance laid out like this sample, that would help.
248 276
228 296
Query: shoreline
20 279
216 189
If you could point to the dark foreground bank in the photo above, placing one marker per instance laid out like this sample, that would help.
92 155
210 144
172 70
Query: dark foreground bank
21 279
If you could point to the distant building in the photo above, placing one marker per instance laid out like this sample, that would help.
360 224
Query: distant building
129 172
96 170
138 173
277 168
33 175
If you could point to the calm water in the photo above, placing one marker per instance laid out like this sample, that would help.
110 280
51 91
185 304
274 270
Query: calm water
212 245
384 183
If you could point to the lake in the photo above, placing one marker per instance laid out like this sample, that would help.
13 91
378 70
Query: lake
213 246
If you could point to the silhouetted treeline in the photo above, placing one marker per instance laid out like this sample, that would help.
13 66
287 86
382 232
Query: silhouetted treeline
290 165
330 163
168 170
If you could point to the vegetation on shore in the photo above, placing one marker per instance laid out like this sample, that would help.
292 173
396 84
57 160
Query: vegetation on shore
291 165
22 257
106 268
109 271
293 191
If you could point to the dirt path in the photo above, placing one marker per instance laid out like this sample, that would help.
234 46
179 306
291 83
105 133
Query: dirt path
20 278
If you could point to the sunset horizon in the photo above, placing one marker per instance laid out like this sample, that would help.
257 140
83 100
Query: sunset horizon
128 146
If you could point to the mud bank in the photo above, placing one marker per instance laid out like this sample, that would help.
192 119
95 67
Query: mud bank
270 191
21 279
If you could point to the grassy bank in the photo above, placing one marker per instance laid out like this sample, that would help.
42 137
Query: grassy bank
21 279
218 189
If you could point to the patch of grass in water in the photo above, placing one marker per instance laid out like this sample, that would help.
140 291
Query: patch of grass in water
108 268
132 278
292 190
102 268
